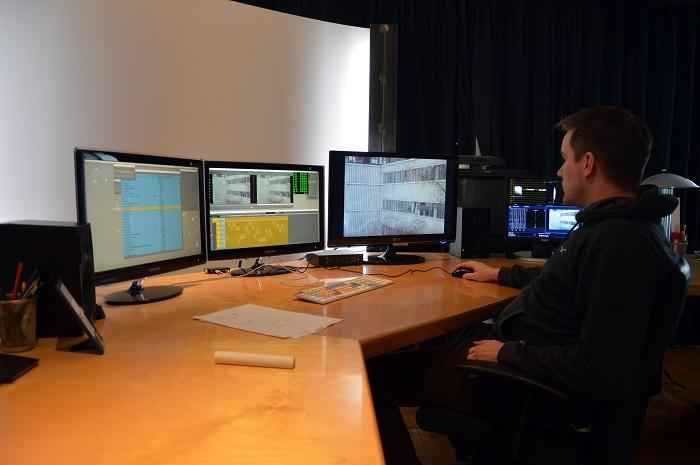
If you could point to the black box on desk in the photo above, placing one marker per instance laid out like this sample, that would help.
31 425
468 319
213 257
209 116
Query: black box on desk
58 250
334 258
472 234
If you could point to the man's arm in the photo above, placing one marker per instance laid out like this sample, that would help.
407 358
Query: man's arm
615 294
518 276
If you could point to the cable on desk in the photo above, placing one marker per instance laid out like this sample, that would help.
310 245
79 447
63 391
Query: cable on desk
394 275
297 269
303 270
219 276
292 269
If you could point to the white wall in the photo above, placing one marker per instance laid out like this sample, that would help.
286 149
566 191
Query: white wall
208 79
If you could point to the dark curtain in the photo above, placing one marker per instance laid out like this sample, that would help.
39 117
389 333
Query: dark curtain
506 71
534 62
428 77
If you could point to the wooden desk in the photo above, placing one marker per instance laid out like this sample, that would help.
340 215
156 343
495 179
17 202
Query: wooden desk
416 307
157 397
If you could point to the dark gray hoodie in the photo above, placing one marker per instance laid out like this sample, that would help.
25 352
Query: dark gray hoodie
581 320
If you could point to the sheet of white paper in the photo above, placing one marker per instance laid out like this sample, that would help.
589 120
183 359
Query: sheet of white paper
269 321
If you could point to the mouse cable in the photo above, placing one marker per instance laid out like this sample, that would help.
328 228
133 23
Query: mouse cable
392 275
218 277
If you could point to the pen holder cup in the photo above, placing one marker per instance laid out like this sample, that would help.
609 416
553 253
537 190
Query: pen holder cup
17 324
680 247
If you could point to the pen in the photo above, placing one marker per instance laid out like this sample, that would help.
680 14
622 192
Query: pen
32 276
18 276
31 290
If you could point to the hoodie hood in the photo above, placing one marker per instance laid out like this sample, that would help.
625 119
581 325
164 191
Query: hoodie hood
649 205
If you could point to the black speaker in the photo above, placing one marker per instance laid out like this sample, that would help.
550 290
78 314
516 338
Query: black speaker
473 233
57 250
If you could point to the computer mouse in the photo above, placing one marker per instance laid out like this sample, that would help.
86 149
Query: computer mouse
462 270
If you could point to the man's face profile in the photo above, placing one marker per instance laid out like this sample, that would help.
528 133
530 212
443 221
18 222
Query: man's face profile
571 173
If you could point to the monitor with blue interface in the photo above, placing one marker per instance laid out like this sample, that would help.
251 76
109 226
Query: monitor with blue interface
146 217
536 211
378 198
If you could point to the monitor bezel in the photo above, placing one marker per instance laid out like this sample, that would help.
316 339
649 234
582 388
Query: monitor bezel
284 249
158 266
336 203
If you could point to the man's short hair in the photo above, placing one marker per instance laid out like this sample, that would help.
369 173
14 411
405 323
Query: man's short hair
620 140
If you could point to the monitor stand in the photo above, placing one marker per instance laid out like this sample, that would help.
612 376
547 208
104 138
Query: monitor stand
390 257
137 294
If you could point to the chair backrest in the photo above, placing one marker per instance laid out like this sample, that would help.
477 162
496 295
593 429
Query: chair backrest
616 425
668 307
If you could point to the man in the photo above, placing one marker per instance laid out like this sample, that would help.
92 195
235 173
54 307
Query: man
580 320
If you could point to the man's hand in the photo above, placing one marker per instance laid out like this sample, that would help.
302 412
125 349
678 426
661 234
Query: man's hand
482 272
486 350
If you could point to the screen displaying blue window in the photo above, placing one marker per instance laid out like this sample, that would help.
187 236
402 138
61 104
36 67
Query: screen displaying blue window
144 211
151 214
541 221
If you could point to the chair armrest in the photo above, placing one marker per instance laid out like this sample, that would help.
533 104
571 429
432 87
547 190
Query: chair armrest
502 371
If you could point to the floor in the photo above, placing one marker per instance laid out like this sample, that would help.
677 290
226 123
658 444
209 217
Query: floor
671 433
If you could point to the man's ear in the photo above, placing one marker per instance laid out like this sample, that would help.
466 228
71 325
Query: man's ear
589 164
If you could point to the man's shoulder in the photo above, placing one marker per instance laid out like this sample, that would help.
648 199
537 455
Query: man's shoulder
623 237
622 230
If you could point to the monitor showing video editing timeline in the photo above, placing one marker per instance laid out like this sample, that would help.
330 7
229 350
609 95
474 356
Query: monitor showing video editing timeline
260 209
535 210
378 198
145 213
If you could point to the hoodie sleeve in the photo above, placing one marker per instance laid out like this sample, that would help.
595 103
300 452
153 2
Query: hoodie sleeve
517 276
615 291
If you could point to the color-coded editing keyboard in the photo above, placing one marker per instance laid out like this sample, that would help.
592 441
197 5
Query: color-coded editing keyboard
340 290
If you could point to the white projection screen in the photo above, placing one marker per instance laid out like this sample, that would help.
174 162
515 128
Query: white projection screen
210 79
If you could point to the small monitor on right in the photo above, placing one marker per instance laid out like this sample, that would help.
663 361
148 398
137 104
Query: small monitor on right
378 198
537 214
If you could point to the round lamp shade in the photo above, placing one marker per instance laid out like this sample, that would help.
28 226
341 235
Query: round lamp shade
670 180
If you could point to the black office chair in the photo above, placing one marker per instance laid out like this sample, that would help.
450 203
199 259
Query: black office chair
590 432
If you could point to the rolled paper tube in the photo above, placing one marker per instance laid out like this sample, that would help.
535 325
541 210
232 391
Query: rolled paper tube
254 360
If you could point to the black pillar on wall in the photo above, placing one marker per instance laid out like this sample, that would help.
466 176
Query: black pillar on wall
383 75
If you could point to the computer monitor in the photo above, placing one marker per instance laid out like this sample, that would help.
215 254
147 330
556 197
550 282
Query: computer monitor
145 214
262 209
536 213
379 198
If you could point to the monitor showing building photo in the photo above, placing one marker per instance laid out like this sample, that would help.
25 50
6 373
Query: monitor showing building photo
394 196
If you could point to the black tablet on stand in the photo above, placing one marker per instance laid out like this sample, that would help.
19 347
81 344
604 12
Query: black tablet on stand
94 342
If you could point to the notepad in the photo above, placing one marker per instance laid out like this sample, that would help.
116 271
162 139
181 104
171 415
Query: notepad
268 321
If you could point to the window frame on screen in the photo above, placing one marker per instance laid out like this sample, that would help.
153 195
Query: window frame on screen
158 266
336 203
